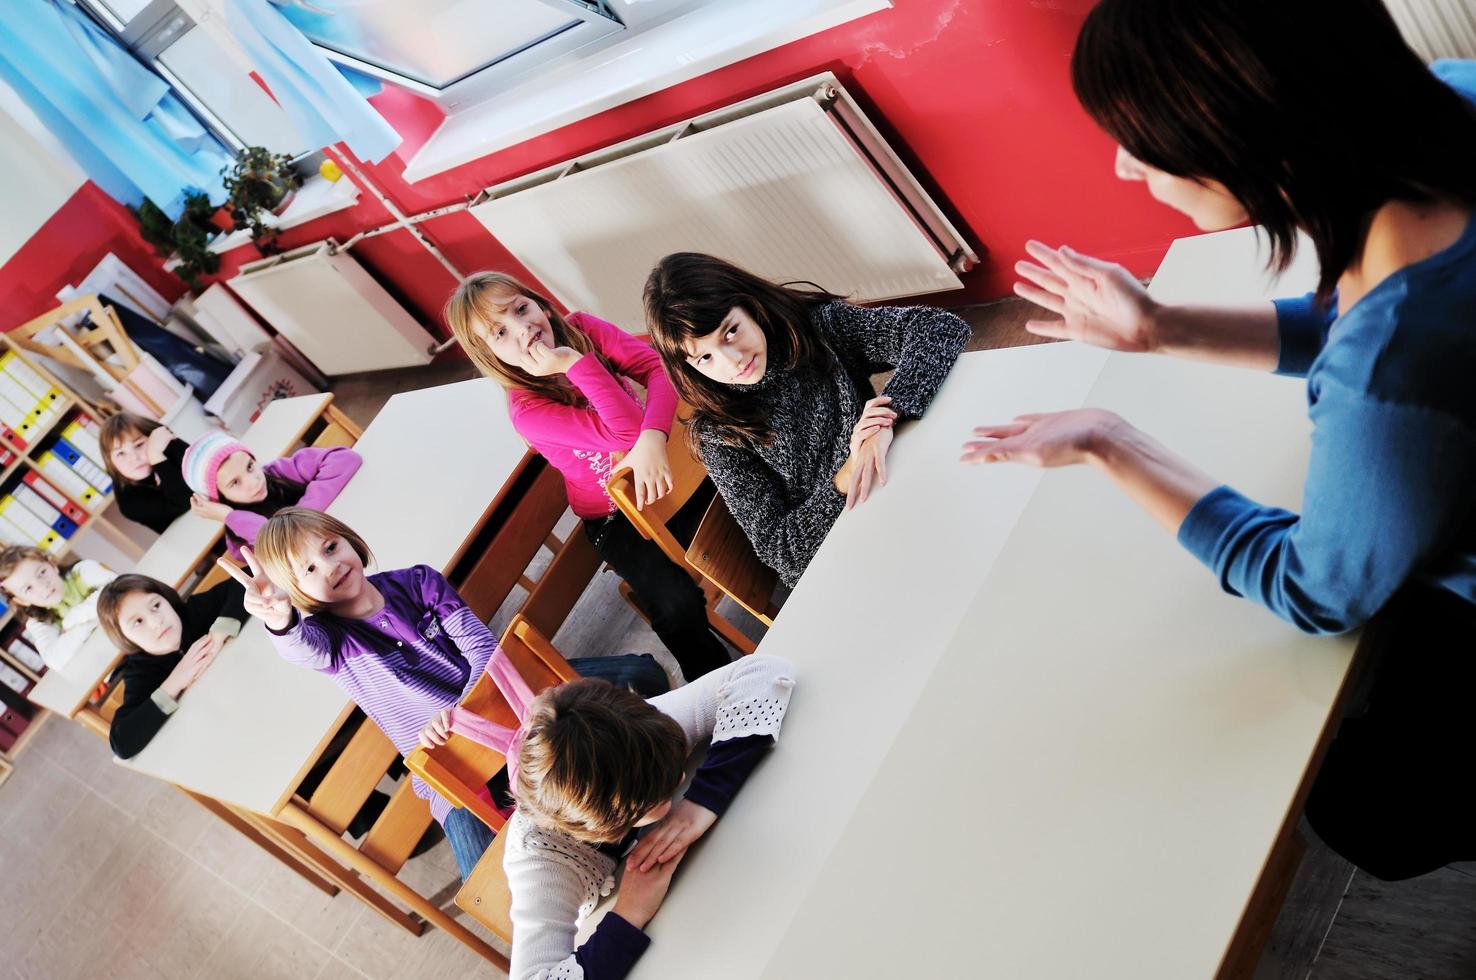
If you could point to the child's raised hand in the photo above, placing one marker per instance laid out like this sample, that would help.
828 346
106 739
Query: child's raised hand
669 838
642 892
543 361
159 440
437 731
211 510
264 599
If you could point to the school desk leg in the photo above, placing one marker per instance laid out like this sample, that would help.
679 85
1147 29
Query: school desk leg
296 817
253 833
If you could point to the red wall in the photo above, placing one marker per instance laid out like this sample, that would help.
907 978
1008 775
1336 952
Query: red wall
975 95
75 238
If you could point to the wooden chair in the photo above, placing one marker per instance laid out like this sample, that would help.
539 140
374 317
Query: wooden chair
722 555
90 347
459 770
687 476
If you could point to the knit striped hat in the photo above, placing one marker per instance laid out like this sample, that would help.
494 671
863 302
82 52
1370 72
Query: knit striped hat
202 460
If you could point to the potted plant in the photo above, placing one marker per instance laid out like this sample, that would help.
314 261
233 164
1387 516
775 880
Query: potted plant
259 183
185 240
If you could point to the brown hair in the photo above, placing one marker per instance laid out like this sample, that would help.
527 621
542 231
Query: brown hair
110 602
10 558
1304 134
595 759
117 430
282 539
688 295
476 302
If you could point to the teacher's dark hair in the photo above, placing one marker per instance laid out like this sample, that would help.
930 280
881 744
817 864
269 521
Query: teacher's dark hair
1312 113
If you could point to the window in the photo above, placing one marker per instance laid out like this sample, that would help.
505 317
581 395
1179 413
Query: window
453 51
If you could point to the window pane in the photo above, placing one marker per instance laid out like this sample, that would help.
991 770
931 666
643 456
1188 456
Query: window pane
210 75
124 10
436 42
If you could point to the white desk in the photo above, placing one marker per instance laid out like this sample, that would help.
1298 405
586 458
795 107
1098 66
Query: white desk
1034 738
249 728
176 553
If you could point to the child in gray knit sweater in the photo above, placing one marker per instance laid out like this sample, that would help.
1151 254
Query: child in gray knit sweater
779 381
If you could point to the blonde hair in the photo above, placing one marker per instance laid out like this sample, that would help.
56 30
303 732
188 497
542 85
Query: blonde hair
596 759
284 538
476 301
11 557
116 430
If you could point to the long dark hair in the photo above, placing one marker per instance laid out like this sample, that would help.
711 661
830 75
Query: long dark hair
1312 113
688 295
110 601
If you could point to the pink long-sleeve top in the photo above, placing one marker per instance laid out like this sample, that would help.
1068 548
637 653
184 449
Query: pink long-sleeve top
323 474
579 440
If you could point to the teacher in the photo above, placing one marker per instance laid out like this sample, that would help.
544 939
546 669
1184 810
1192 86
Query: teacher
1315 121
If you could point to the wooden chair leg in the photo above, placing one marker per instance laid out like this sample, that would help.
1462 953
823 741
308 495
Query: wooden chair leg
295 816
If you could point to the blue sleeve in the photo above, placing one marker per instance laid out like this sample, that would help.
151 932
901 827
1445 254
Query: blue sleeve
1303 330
612 949
1459 74
727 767
1388 487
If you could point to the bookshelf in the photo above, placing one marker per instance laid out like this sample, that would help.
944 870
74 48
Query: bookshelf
29 457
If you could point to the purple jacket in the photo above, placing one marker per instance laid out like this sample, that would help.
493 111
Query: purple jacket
323 472
422 652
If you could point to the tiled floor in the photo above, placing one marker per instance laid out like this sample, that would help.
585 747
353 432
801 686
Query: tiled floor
107 873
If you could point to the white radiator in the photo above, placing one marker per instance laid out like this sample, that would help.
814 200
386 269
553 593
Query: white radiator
1437 28
793 185
333 311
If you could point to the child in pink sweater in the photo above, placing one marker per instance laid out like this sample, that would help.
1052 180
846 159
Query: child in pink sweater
569 394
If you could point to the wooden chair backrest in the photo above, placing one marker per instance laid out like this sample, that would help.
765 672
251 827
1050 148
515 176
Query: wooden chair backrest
724 556
687 474
105 329
459 770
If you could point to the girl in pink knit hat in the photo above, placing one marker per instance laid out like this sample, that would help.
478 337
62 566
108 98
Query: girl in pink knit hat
231 486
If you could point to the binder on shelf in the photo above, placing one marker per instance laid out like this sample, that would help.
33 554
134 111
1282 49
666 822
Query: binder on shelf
14 679
31 526
42 414
77 433
11 414
54 497
50 516
10 534
85 468
66 479
10 438
25 654
12 364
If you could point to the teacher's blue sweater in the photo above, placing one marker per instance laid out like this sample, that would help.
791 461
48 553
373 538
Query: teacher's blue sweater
1391 488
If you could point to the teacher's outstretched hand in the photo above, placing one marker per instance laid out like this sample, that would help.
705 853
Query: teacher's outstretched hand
1099 303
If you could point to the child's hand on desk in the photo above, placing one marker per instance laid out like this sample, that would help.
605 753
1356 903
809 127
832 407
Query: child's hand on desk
264 599
211 510
866 466
542 360
669 838
642 892
650 466
197 658
437 731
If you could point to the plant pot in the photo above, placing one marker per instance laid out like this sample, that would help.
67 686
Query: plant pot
222 219
285 193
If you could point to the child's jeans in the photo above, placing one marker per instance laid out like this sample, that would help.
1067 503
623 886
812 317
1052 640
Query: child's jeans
467 835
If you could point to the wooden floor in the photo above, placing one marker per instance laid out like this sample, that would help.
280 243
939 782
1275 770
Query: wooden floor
106 873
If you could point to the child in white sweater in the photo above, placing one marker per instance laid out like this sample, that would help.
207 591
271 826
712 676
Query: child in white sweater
59 604
597 762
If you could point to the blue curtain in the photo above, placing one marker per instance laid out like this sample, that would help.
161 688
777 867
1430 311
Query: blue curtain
324 105
127 131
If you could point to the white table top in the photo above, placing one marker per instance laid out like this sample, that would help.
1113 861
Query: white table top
175 554
1056 748
433 459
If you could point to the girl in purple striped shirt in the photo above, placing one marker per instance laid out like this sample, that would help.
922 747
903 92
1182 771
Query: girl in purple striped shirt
401 643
